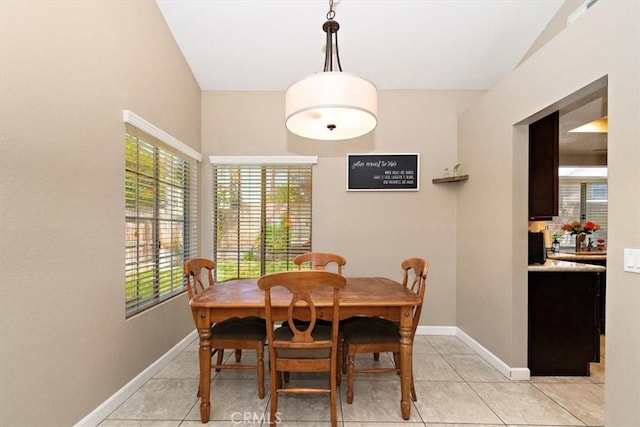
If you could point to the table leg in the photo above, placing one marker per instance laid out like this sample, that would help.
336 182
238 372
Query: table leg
204 332
406 357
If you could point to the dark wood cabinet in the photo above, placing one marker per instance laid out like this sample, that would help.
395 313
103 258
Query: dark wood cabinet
603 289
543 167
563 322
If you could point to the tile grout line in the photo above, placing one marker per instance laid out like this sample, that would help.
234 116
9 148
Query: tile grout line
473 390
558 403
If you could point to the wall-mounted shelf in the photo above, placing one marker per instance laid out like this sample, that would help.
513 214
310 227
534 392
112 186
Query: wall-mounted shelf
450 179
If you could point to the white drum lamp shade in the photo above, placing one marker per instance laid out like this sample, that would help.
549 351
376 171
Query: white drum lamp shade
331 105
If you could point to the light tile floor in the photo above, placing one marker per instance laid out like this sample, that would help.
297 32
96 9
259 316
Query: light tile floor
455 387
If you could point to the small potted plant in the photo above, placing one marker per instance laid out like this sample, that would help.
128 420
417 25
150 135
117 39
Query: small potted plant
457 168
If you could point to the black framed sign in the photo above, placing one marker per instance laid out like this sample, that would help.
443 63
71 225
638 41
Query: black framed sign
383 172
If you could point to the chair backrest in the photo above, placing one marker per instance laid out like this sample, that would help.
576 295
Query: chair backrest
320 261
194 274
301 285
414 278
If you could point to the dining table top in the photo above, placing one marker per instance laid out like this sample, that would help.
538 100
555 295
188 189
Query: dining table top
359 291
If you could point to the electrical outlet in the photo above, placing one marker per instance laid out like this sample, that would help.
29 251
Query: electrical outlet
632 260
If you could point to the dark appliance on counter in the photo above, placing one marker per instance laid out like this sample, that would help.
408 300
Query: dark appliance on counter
537 251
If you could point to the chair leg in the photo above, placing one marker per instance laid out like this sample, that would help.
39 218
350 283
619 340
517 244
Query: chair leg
260 355
344 357
396 357
273 406
220 358
413 391
332 394
376 357
238 355
350 368
339 365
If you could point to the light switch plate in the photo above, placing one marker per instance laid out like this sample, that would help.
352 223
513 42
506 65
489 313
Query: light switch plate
632 260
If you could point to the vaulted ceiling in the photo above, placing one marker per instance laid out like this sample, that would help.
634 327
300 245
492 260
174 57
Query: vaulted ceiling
256 45
397 44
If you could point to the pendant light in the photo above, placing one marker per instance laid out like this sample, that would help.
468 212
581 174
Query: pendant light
331 105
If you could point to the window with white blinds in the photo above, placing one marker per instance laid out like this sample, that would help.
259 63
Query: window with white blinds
261 217
581 200
161 219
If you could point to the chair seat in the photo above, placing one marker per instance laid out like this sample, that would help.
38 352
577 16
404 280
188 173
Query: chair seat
320 333
246 328
367 330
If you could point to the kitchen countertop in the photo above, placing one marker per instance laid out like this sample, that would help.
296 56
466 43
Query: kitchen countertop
555 265
582 256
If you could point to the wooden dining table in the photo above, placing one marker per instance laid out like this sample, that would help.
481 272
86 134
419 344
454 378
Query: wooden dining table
370 296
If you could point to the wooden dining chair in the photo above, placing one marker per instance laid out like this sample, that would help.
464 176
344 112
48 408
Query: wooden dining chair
247 333
320 261
323 261
310 348
379 335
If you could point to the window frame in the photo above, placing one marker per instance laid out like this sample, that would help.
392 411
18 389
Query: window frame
255 171
169 214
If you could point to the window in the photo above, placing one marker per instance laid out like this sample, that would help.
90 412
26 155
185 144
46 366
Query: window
161 214
581 198
261 214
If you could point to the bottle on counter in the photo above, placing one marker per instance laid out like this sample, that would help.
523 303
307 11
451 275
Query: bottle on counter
555 246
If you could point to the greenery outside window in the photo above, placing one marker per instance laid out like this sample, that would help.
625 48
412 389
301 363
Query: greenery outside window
261 214
161 217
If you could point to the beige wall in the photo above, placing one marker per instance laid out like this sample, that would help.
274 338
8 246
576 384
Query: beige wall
375 231
68 71
491 302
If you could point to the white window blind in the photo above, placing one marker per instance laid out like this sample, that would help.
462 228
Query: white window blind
261 217
161 219
581 200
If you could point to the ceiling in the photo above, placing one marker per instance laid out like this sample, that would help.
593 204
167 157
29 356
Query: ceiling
416 44
266 45
590 105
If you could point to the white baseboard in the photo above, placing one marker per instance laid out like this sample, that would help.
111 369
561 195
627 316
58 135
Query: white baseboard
111 404
515 374
436 330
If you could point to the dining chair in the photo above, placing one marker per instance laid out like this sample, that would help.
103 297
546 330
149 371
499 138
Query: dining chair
246 333
308 348
323 261
379 335
320 261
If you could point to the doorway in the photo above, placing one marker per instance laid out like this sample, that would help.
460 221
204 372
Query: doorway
582 158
